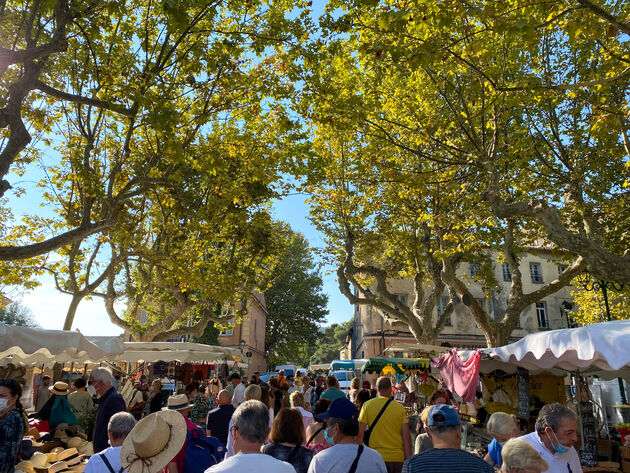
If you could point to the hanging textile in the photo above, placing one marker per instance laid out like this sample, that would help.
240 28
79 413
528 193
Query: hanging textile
461 377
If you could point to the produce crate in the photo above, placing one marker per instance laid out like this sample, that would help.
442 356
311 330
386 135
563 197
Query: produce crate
624 452
625 466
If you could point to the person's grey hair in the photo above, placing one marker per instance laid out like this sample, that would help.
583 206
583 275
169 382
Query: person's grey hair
443 429
251 419
120 424
500 423
252 392
103 375
519 454
551 415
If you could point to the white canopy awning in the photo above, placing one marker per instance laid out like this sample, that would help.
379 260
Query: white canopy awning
35 345
183 352
597 349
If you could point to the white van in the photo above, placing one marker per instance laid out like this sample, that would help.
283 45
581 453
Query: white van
344 377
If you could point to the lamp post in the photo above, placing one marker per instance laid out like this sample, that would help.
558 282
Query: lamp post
590 284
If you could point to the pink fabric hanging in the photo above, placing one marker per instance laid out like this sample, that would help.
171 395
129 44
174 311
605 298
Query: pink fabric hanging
460 377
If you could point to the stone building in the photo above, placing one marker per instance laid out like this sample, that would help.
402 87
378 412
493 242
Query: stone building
371 334
249 335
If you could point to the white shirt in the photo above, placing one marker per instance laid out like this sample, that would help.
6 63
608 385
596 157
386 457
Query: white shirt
246 462
96 465
239 395
136 398
568 462
339 458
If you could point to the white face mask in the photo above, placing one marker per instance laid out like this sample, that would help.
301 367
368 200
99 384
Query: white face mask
4 404
91 390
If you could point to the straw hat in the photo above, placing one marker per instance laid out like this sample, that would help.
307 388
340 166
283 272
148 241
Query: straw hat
25 467
86 449
75 442
153 442
177 402
40 460
59 467
60 388
71 457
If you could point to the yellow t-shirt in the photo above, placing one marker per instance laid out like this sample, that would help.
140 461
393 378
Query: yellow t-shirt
386 438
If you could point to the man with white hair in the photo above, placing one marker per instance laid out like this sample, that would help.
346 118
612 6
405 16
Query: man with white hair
251 427
119 426
109 403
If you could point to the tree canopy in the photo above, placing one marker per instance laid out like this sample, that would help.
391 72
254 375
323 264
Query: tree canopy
331 339
447 132
295 302
161 137
17 314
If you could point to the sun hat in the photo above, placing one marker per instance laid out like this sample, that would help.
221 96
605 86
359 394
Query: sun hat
40 460
86 448
75 442
25 467
59 467
60 388
153 442
70 456
341 408
177 402
443 415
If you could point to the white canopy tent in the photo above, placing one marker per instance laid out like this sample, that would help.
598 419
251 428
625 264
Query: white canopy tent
29 345
597 349
183 352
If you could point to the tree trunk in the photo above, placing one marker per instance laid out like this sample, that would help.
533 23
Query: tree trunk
72 310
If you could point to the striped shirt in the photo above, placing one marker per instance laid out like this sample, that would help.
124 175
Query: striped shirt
445 460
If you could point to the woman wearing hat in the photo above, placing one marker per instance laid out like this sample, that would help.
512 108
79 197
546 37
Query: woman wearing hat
153 442
12 424
57 409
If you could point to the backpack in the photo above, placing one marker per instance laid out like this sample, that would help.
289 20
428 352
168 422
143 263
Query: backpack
201 452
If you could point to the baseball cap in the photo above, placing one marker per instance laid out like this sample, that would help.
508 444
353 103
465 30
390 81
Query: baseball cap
443 415
341 408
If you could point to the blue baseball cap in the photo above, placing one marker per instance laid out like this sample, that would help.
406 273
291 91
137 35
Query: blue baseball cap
340 408
443 415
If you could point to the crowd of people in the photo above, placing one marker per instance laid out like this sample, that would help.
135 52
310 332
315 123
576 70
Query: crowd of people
290 424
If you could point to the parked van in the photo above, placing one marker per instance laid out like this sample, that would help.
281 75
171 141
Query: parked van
344 377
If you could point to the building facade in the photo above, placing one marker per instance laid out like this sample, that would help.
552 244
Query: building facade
372 334
249 335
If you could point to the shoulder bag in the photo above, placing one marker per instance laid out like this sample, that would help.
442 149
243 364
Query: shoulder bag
370 429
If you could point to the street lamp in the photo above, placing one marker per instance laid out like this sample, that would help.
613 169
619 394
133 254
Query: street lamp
589 283
241 345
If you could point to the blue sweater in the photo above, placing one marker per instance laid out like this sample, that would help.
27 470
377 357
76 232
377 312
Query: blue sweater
109 404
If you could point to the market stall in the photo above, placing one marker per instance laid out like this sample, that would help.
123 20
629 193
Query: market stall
29 345
583 351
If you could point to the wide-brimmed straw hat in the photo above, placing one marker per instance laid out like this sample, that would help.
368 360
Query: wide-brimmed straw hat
60 388
177 402
59 467
153 442
71 456
25 466
40 460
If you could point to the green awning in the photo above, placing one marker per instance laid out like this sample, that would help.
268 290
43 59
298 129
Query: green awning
400 365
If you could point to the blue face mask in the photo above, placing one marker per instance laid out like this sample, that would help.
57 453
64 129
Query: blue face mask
558 447
329 439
